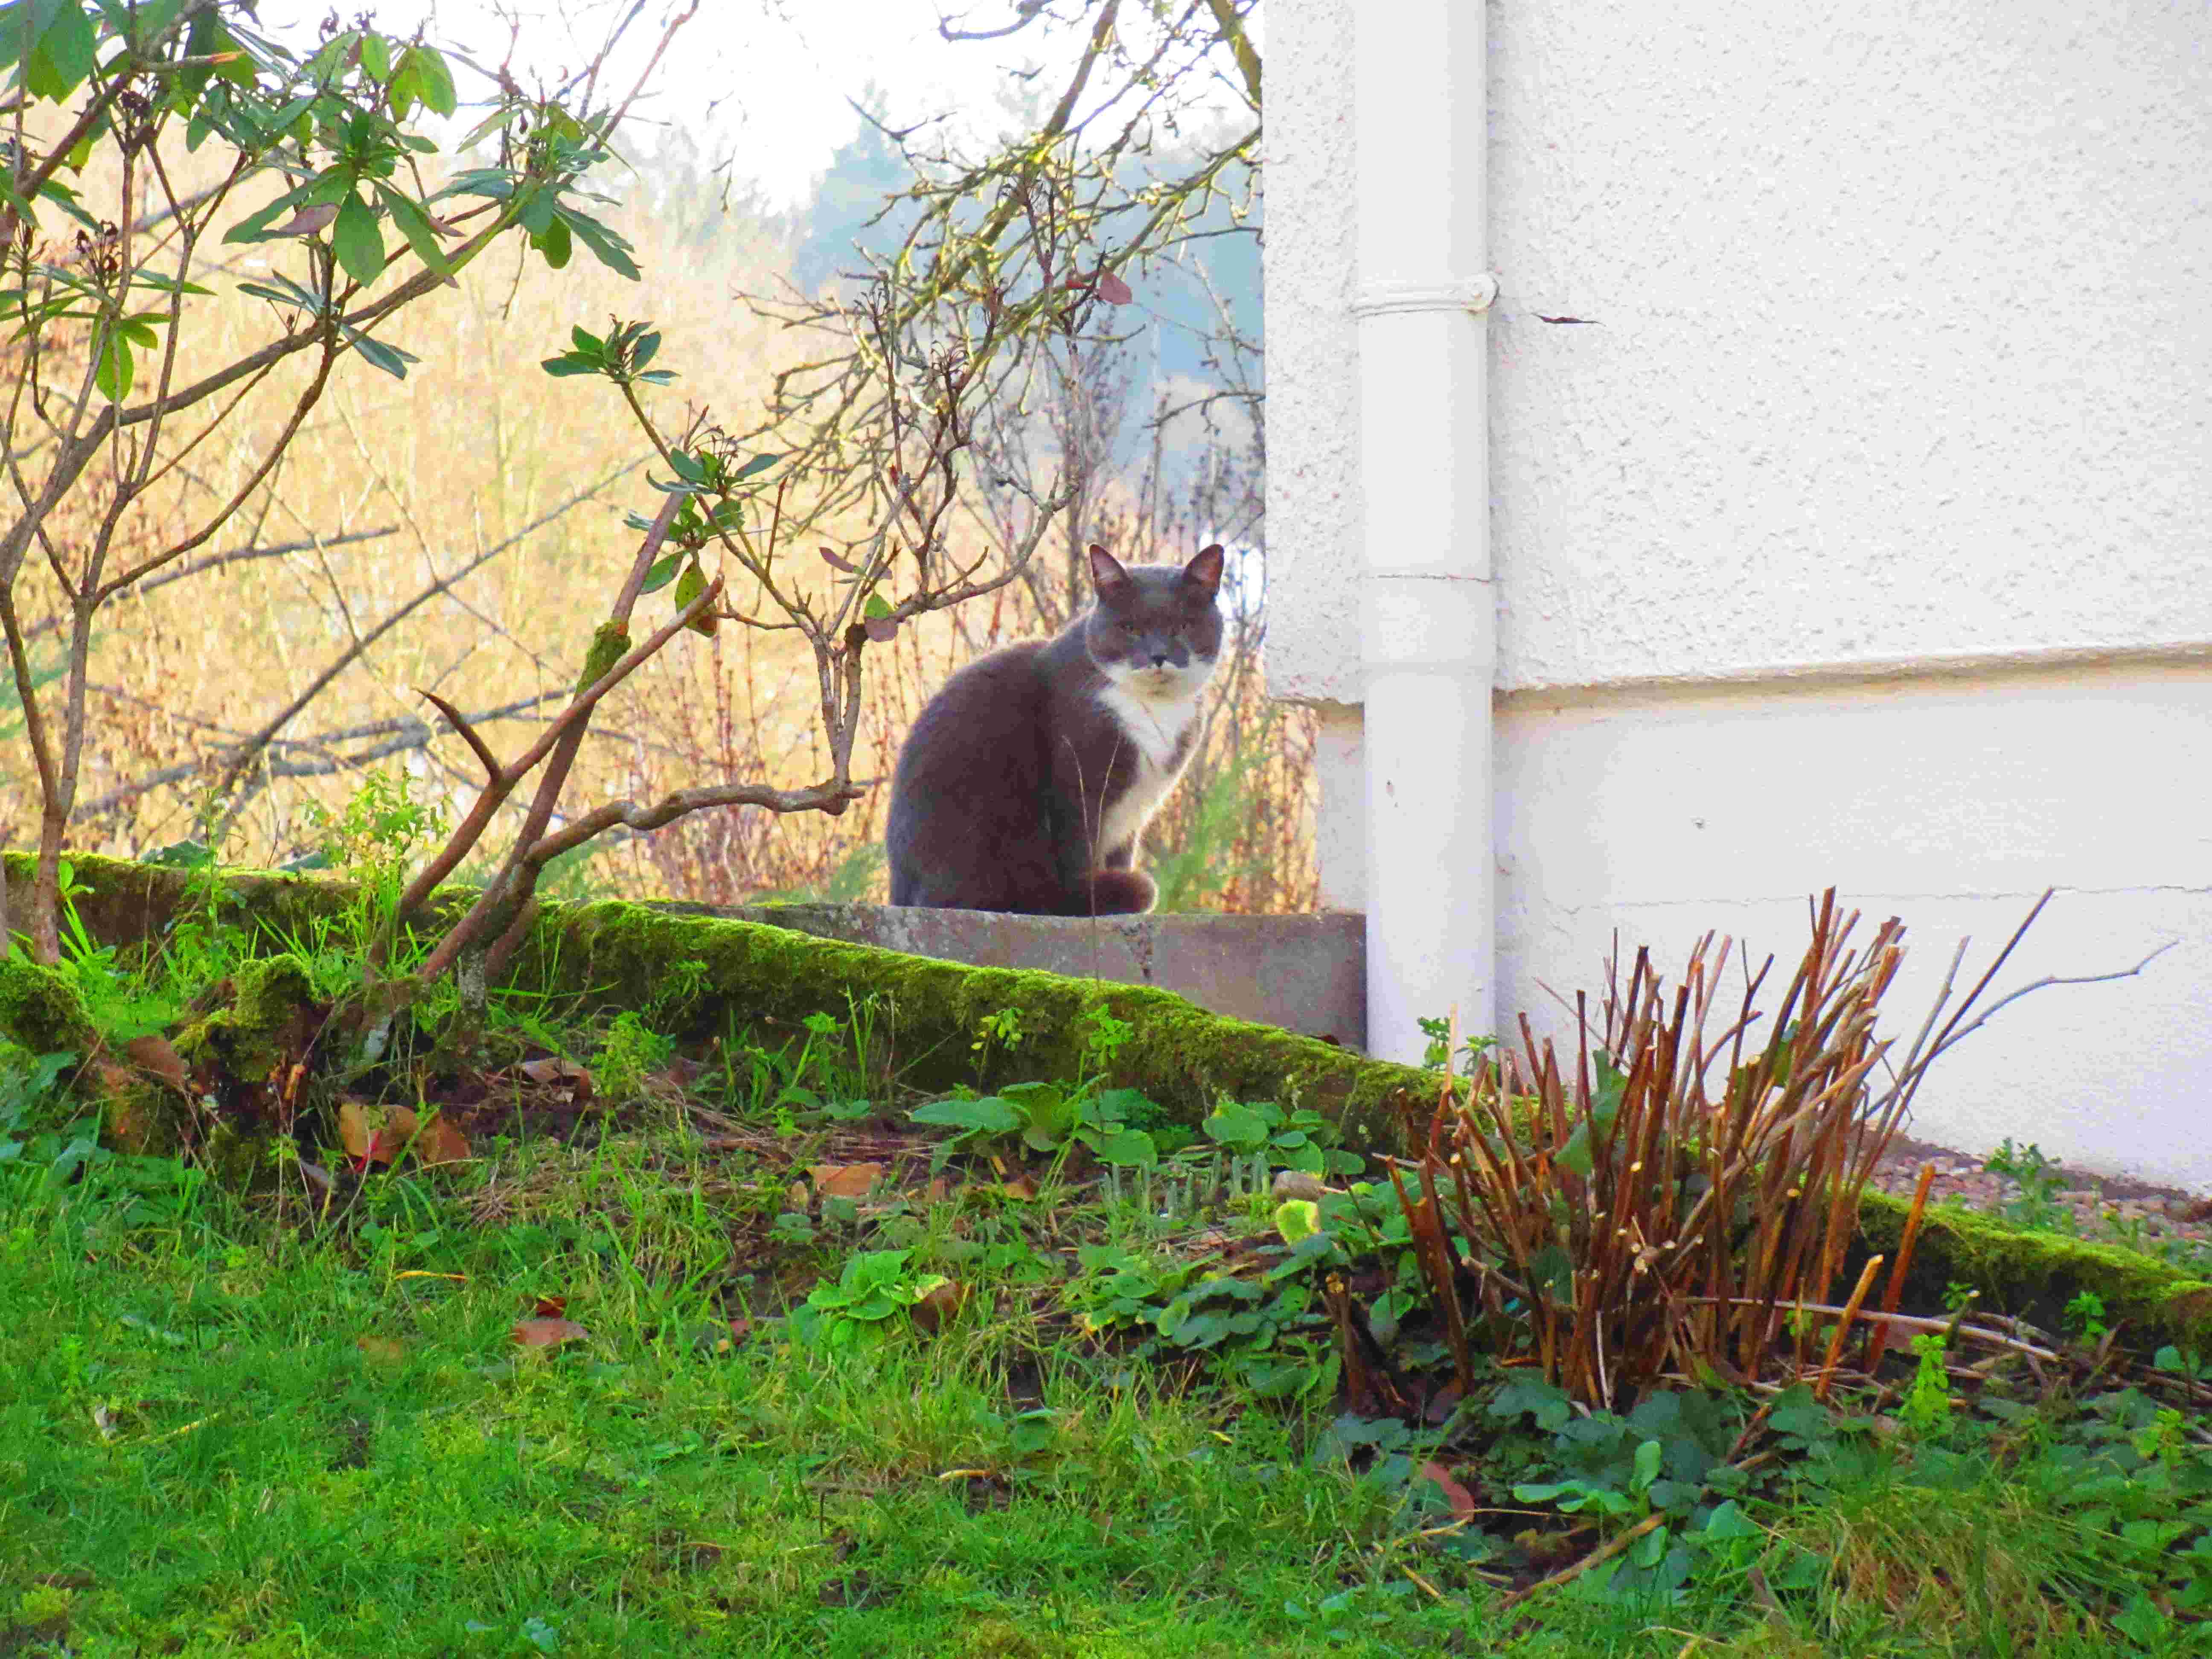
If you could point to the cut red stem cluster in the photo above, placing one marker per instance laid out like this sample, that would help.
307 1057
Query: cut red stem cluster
1677 1201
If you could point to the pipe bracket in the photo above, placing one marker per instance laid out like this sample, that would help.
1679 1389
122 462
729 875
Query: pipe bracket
1473 296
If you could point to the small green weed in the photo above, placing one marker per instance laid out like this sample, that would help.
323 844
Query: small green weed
1298 1140
2085 1316
1045 1117
629 1054
998 1030
1437 1050
874 1287
2037 1204
1926 1410
812 1078
124 1005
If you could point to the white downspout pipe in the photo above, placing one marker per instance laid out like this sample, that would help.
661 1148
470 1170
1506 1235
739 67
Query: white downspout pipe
1428 621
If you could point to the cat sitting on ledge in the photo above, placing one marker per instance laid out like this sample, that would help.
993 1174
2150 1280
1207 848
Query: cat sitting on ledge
1026 783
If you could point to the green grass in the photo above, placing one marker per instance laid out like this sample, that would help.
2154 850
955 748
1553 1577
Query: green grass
224 1429
198 1454
221 1437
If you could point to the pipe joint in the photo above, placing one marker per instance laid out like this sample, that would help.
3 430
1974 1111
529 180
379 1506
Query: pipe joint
1470 296
1434 624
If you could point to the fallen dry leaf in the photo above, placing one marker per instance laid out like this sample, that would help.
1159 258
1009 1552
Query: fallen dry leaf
556 1069
379 1137
1461 1500
844 1180
442 1143
938 1305
392 1140
940 1188
157 1057
382 1350
550 1307
548 1333
355 1132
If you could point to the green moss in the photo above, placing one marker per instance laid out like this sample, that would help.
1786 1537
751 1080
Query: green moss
137 1114
256 1030
266 993
615 956
1184 1057
620 955
232 1157
609 645
43 1009
2023 1270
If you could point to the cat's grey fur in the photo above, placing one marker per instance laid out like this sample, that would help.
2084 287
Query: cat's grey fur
1027 781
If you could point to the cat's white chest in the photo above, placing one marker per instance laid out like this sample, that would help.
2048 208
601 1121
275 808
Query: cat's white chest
1153 728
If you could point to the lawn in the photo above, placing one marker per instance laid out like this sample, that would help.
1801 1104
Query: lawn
611 1343
223 1431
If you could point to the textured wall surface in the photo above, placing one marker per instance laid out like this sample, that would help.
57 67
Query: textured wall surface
1897 340
1340 824
1314 560
1860 534
1949 805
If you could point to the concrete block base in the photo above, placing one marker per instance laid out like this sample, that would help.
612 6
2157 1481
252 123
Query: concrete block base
1306 974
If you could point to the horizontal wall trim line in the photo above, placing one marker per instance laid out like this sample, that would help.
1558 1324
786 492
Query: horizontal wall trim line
1812 677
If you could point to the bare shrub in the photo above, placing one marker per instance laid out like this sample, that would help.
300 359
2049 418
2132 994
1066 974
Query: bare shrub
1681 1199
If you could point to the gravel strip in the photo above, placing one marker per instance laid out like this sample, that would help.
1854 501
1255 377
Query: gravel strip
2096 1202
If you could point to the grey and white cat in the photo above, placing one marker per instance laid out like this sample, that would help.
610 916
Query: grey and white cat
1027 781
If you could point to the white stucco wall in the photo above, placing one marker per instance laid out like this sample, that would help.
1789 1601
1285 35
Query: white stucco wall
1949 802
1899 341
1313 389
1862 534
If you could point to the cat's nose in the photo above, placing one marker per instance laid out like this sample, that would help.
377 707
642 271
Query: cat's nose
1159 659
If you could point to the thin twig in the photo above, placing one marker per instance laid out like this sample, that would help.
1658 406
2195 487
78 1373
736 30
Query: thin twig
1903 1321
354 652
1596 1557
459 722
1967 1031
218 561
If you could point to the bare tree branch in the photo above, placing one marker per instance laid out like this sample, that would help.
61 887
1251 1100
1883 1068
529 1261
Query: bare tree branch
354 652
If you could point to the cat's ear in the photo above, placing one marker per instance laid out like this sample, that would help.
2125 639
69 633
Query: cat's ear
1204 572
1107 572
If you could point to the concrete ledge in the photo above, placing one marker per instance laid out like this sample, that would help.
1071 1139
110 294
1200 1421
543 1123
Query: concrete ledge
1306 974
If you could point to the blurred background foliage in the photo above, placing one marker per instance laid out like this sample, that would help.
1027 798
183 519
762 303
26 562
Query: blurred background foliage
395 485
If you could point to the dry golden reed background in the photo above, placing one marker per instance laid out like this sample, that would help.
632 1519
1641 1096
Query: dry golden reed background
394 487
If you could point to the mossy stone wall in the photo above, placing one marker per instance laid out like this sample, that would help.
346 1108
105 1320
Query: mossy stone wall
621 955
615 955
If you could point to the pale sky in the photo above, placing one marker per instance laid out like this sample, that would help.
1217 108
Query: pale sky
775 74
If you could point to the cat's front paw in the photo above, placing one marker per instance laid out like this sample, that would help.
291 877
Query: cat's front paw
1121 892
